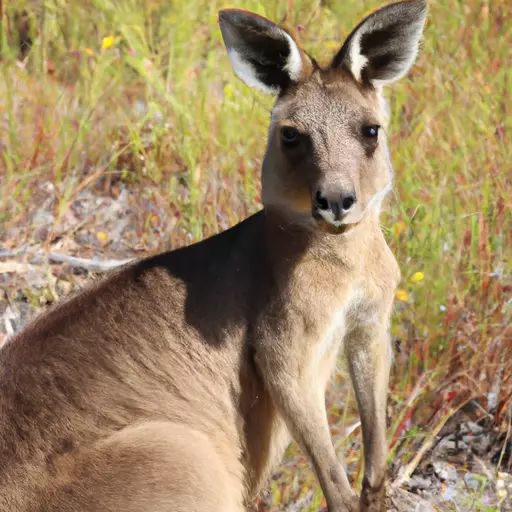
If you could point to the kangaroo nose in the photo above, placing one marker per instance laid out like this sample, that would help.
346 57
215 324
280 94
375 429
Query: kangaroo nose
340 207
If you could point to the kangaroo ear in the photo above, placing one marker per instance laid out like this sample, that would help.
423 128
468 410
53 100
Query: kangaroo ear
263 55
384 46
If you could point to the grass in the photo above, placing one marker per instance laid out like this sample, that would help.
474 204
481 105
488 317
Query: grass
141 93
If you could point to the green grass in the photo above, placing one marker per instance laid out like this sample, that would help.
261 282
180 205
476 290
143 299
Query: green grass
161 111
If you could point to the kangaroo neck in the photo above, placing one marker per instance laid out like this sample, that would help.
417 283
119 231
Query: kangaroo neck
288 242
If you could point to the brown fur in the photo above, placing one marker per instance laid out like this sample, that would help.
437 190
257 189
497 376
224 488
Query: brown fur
176 383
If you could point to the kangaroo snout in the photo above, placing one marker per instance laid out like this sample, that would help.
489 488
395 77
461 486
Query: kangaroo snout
333 207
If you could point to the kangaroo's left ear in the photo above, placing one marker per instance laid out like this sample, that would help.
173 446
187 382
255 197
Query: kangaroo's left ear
263 55
384 46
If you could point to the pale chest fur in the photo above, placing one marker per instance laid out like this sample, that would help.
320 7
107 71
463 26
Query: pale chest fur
354 303
331 336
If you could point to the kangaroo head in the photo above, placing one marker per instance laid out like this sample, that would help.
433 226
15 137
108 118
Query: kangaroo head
327 161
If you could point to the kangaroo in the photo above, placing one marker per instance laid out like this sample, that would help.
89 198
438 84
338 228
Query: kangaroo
177 381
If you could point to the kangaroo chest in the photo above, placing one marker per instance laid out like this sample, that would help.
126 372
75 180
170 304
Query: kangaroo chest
330 337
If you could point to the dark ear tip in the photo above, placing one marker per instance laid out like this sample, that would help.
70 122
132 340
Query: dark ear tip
422 6
235 16
414 6
414 10
232 16
225 14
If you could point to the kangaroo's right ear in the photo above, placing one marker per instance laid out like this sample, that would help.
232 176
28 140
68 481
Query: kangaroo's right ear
383 47
263 55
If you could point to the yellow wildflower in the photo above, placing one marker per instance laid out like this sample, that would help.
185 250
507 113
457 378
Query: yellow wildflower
107 42
101 236
88 51
228 91
402 296
418 276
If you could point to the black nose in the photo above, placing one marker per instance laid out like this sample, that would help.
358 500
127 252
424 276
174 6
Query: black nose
340 207
348 200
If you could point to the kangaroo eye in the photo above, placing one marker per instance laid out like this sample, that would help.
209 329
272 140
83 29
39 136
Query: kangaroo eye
371 131
290 137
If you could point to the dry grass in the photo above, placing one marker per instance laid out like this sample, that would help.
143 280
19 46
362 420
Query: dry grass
157 111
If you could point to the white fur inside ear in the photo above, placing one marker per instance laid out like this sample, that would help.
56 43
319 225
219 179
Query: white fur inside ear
356 59
245 70
294 62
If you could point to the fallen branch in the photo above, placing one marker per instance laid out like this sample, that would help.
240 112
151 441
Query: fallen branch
92 265
9 254
409 469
